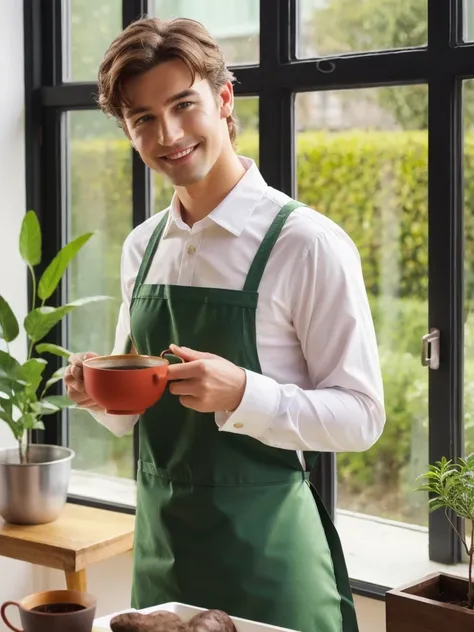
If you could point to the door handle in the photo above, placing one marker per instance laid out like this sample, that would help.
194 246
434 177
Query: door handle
430 349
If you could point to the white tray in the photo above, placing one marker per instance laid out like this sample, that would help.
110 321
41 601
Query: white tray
186 613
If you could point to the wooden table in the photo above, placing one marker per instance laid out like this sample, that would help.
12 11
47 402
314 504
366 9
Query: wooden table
80 537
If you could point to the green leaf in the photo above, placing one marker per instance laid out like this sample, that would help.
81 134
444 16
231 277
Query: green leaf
30 239
7 418
28 421
39 425
60 401
9 366
39 322
54 272
9 329
44 408
56 377
31 371
54 349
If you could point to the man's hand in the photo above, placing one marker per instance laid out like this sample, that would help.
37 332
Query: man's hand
74 381
208 383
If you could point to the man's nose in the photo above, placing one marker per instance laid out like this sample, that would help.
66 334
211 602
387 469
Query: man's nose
169 133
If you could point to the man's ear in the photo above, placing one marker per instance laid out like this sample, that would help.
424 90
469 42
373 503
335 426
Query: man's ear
226 97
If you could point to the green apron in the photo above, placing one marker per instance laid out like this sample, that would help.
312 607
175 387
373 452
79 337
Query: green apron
224 521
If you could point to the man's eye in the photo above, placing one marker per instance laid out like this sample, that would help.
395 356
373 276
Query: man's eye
184 105
142 119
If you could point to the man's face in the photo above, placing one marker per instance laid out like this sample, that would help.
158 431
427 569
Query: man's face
178 129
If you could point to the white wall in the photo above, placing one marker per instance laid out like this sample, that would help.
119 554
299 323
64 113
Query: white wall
16 578
109 581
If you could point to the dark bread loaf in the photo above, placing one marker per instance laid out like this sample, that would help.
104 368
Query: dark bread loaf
155 622
164 621
212 621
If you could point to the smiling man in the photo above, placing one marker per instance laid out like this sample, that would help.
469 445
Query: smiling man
267 303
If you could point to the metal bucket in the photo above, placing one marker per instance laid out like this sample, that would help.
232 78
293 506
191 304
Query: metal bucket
34 492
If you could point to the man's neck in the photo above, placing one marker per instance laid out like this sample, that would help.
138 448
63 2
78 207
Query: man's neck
200 199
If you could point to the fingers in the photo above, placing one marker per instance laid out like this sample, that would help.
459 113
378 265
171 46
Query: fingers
188 370
189 355
188 401
78 358
184 387
74 380
79 397
74 376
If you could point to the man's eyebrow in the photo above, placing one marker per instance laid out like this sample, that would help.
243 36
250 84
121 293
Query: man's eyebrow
176 97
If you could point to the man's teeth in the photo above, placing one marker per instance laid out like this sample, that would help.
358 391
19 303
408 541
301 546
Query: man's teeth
181 154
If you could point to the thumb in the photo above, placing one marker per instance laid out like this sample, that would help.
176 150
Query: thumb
188 355
90 354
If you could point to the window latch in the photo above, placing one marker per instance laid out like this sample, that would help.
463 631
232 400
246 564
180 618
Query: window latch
430 349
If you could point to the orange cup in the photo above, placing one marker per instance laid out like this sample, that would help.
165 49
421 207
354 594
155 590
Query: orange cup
126 384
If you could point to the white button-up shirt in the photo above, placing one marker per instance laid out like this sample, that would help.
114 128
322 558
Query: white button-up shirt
321 385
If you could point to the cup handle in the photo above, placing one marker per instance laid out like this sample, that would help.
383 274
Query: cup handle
169 352
4 616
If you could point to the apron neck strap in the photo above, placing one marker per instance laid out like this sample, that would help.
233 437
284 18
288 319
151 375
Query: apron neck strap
150 253
259 263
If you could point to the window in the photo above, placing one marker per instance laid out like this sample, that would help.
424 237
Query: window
88 28
336 27
369 157
345 105
99 179
235 25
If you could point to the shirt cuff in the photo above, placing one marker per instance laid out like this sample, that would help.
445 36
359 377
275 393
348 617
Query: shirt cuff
257 410
119 425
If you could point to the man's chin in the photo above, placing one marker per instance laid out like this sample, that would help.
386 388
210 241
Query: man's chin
185 179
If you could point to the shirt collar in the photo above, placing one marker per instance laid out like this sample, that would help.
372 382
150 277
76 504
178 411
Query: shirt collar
234 210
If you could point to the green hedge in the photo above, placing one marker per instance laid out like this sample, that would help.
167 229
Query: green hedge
373 184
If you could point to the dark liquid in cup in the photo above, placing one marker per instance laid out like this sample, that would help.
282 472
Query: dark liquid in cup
58 608
127 367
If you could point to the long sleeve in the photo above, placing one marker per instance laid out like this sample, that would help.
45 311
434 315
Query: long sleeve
331 316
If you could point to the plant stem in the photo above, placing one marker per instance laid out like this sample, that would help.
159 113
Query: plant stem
463 540
23 447
471 552
33 283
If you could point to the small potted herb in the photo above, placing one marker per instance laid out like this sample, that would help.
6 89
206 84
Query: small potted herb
34 478
441 602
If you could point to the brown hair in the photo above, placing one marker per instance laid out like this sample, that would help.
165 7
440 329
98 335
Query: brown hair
150 41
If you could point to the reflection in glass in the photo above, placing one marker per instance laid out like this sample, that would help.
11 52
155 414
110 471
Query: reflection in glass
235 25
333 27
362 161
99 199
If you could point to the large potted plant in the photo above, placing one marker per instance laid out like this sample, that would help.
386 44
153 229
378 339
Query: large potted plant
440 601
34 478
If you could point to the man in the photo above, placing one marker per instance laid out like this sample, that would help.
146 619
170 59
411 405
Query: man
265 301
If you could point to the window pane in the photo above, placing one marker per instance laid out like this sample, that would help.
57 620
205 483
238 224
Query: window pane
331 27
234 24
99 199
468 89
468 20
246 113
362 161
88 29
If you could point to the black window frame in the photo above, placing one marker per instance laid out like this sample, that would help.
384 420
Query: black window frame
442 65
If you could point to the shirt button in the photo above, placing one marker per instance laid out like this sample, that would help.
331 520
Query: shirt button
191 250
238 425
